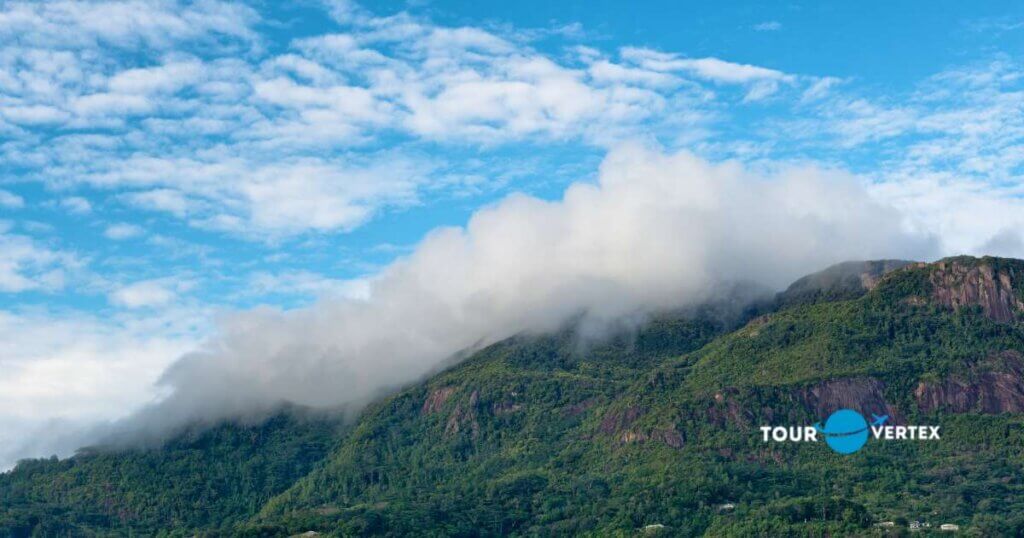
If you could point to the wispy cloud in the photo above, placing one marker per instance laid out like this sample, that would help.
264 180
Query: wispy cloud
712 69
27 265
307 284
159 24
149 293
768 26
10 200
122 231
76 205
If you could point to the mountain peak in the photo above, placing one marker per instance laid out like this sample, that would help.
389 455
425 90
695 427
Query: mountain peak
993 284
846 280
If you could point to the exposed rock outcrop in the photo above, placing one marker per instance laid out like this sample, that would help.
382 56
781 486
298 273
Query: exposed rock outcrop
618 420
669 436
992 386
620 424
436 399
960 283
464 418
862 394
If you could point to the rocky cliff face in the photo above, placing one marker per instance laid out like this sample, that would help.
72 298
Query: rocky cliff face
960 283
619 423
436 399
993 386
863 394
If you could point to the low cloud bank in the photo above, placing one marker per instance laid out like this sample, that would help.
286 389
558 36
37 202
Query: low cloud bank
656 231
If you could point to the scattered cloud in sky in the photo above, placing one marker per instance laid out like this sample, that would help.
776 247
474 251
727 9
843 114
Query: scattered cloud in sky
308 284
205 134
149 293
161 24
76 205
10 200
122 231
768 26
28 265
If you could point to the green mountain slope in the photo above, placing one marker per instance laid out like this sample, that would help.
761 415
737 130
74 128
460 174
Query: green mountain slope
548 436
208 478
494 446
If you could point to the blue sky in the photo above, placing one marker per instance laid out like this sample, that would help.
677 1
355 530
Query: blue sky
168 163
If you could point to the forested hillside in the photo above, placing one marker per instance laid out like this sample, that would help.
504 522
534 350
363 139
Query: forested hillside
654 431
206 478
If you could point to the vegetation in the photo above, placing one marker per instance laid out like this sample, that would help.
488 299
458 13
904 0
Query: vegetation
551 436
206 478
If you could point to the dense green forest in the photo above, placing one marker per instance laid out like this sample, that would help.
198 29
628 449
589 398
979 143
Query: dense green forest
210 478
654 431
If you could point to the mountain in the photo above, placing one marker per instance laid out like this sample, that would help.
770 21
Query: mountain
847 280
654 431
206 477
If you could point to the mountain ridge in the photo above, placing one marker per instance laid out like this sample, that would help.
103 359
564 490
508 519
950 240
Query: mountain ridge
534 435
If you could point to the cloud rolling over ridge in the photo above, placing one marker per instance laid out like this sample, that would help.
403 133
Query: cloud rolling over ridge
657 231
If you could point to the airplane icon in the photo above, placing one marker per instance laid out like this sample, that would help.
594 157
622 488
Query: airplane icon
878 420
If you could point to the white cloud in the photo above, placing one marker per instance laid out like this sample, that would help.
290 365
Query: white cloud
115 104
65 373
160 24
969 216
149 293
949 155
282 144
61 62
768 26
122 231
307 284
761 90
26 265
603 71
720 70
169 77
168 200
1007 242
76 205
820 88
31 115
10 200
712 69
858 120
658 231
208 126
266 200
312 195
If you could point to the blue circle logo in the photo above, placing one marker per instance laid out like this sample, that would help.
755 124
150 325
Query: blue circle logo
845 431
